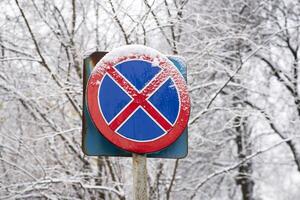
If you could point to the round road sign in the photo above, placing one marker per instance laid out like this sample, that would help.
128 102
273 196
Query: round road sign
138 99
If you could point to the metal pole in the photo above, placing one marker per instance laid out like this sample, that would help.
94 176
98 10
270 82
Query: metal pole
139 171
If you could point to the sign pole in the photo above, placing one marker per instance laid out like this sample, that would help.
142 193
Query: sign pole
139 171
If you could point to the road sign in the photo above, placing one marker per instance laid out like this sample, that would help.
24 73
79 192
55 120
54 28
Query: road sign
95 144
138 99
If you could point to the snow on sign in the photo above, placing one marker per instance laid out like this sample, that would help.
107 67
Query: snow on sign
138 99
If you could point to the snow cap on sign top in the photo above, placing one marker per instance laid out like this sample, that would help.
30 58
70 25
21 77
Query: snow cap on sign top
126 51
133 49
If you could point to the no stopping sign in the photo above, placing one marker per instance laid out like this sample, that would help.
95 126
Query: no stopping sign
138 99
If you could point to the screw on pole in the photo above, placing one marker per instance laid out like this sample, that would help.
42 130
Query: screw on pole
139 171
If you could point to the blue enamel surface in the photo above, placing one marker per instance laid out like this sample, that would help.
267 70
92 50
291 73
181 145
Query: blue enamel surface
165 99
112 98
140 127
180 65
138 72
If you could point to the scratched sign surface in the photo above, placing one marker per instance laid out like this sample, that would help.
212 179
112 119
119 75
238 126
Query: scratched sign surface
137 98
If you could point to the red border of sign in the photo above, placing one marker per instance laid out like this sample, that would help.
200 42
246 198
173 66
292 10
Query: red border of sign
129 145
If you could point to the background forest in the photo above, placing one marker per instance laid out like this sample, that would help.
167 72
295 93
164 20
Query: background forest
243 78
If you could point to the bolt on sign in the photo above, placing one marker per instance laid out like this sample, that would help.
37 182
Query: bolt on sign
135 101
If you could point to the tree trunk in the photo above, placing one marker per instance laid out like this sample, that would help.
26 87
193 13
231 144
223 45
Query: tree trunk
244 146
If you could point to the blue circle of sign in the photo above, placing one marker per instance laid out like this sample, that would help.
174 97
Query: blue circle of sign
140 126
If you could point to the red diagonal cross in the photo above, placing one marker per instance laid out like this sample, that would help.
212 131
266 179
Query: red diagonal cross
139 99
